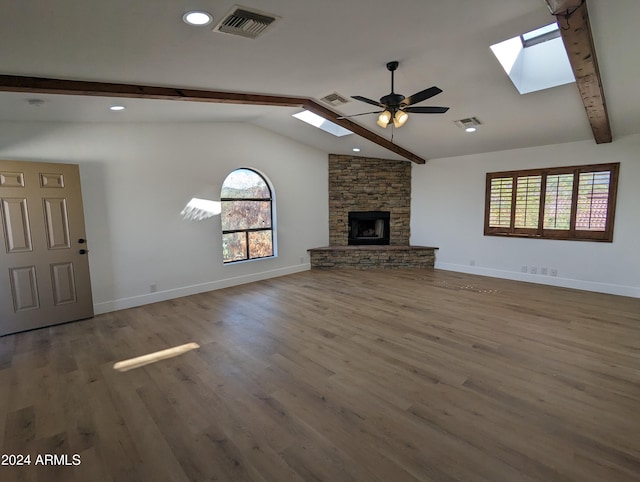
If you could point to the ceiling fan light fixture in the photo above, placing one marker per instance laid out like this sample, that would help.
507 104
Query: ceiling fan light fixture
384 119
400 118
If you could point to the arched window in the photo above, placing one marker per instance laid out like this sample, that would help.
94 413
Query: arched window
247 216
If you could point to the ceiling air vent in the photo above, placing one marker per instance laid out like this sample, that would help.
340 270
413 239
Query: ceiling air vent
334 99
245 22
468 123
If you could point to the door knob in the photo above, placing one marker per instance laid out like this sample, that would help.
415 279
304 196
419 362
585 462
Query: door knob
82 240
83 251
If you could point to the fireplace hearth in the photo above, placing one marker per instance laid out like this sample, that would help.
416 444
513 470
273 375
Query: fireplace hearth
369 227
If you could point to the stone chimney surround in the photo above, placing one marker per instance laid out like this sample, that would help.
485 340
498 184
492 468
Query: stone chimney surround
370 184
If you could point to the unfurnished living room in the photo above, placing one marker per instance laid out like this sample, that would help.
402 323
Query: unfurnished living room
319 241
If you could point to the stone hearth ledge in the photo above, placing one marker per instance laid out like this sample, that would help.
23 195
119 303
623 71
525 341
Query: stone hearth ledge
372 256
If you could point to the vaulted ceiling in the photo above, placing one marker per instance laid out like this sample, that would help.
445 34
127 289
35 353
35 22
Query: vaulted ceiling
314 49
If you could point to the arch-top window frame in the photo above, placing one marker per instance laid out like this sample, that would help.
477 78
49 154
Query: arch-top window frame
252 234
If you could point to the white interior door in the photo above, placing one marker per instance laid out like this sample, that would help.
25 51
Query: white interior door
44 266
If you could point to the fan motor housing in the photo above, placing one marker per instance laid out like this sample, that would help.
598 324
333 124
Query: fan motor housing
392 100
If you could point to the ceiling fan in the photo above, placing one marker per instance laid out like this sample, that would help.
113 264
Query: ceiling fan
396 107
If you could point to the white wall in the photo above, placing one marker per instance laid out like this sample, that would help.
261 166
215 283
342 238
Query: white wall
136 178
447 211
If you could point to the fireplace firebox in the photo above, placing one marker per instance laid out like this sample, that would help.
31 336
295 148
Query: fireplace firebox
369 227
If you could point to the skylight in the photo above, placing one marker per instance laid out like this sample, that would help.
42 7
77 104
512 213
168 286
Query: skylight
322 123
547 32
535 60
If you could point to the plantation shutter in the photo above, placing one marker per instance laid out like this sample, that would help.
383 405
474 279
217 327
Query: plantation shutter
575 202
593 201
500 203
557 203
527 202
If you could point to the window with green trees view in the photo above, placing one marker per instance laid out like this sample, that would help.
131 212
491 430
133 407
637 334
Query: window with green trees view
576 202
247 216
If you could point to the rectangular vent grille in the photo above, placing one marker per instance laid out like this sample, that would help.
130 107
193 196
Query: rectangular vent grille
244 22
334 99
468 122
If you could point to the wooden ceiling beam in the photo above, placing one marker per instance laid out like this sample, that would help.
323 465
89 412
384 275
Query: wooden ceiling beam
575 29
40 85
334 117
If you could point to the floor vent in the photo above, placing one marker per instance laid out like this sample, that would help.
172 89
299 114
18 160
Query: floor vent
334 99
245 22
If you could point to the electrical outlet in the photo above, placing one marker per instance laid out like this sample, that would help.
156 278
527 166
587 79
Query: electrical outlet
553 272
533 270
153 288
301 259
543 271
472 262
524 269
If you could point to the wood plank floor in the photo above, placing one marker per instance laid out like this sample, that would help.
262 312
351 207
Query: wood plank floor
335 376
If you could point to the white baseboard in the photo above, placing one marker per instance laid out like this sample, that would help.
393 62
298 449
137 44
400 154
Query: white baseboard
131 302
612 289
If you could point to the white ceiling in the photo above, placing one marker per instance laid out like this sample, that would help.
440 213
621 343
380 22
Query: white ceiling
315 49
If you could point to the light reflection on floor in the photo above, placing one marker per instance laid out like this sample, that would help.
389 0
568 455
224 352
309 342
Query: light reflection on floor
140 361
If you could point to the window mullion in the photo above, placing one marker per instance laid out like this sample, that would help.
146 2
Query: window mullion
514 192
574 203
543 198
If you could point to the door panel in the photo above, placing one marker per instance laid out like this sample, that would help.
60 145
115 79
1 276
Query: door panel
16 226
63 282
24 288
48 180
11 179
57 223
44 268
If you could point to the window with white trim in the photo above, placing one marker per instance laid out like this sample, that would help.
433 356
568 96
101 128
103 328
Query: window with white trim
575 203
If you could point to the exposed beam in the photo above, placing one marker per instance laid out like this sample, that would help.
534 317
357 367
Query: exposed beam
13 83
40 85
328 114
573 19
561 7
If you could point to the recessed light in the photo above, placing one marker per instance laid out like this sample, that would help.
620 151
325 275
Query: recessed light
117 107
197 18
470 129
356 149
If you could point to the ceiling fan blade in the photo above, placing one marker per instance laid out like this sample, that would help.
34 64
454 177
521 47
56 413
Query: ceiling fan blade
422 95
356 115
426 110
368 101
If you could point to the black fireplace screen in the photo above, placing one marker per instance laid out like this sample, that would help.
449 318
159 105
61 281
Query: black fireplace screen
369 227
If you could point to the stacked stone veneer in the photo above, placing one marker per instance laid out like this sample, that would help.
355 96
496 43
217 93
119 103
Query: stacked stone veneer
367 257
366 184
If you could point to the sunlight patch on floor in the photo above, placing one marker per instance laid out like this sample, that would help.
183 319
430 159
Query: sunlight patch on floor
140 361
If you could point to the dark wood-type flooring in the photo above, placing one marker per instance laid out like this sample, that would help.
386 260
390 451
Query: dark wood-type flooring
335 376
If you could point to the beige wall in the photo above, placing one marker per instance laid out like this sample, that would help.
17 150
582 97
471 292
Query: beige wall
136 178
448 212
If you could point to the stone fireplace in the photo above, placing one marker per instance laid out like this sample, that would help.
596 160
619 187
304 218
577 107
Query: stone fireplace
366 184
370 216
